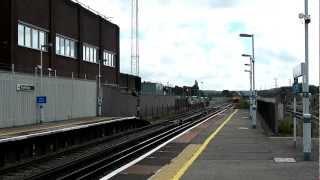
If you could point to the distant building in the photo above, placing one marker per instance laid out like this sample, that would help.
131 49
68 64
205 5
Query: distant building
81 39
152 88
130 83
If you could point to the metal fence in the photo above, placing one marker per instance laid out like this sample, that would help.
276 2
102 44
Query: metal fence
66 99
117 103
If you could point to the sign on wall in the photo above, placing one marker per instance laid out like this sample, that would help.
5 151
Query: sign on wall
25 87
41 99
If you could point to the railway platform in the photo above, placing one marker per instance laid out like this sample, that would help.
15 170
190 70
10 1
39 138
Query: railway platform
25 143
49 126
224 147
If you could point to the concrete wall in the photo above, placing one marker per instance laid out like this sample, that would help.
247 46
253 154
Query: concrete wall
272 111
66 99
117 103
156 106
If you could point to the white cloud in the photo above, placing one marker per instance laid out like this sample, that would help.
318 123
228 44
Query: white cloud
185 40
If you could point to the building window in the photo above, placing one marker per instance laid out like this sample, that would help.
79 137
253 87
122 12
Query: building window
27 36
31 37
20 35
57 44
90 53
65 46
35 39
72 49
67 49
109 59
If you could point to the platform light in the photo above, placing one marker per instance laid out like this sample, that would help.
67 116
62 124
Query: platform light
42 48
246 35
246 55
253 95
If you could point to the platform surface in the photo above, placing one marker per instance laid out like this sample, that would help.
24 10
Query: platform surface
15 132
235 152
239 152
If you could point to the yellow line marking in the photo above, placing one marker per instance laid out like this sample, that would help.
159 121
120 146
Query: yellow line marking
181 172
168 171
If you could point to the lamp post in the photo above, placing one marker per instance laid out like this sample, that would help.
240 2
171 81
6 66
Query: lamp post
99 90
305 88
252 57
250 77
41 106
252 93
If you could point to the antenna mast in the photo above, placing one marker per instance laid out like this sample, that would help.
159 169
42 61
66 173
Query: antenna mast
135 37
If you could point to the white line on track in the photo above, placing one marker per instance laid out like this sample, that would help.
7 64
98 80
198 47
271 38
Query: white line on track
117 171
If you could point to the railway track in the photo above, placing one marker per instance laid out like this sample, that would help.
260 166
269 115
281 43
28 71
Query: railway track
92 161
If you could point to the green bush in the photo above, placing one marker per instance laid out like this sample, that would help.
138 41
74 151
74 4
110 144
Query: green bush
243 104
285 126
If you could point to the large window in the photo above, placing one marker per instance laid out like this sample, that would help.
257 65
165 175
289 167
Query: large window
20 35
35 38
109 59
65 47
31 37
90 53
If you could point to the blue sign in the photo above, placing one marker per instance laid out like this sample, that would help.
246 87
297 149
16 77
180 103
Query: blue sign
41 99
297 88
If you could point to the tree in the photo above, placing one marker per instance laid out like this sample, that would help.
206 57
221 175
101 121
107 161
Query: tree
226 93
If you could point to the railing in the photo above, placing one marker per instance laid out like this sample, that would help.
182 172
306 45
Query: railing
314 122
299 115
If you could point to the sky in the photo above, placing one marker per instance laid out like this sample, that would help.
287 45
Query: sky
186 40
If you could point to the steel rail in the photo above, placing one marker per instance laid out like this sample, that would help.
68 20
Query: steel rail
91 166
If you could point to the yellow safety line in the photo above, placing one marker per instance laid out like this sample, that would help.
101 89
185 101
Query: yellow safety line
185 167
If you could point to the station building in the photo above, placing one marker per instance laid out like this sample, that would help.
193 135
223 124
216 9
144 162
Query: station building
79 39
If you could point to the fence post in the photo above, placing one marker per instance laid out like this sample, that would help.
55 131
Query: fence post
152 112
162 113
35 71
12 68
146 112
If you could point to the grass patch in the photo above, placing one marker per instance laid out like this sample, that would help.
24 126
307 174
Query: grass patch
243 104
286 126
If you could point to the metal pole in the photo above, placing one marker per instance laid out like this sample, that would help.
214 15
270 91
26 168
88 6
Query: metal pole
319 89
306 102
99 91
254 106
137 40
41 83
251 93
12 68
35 71
294 121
